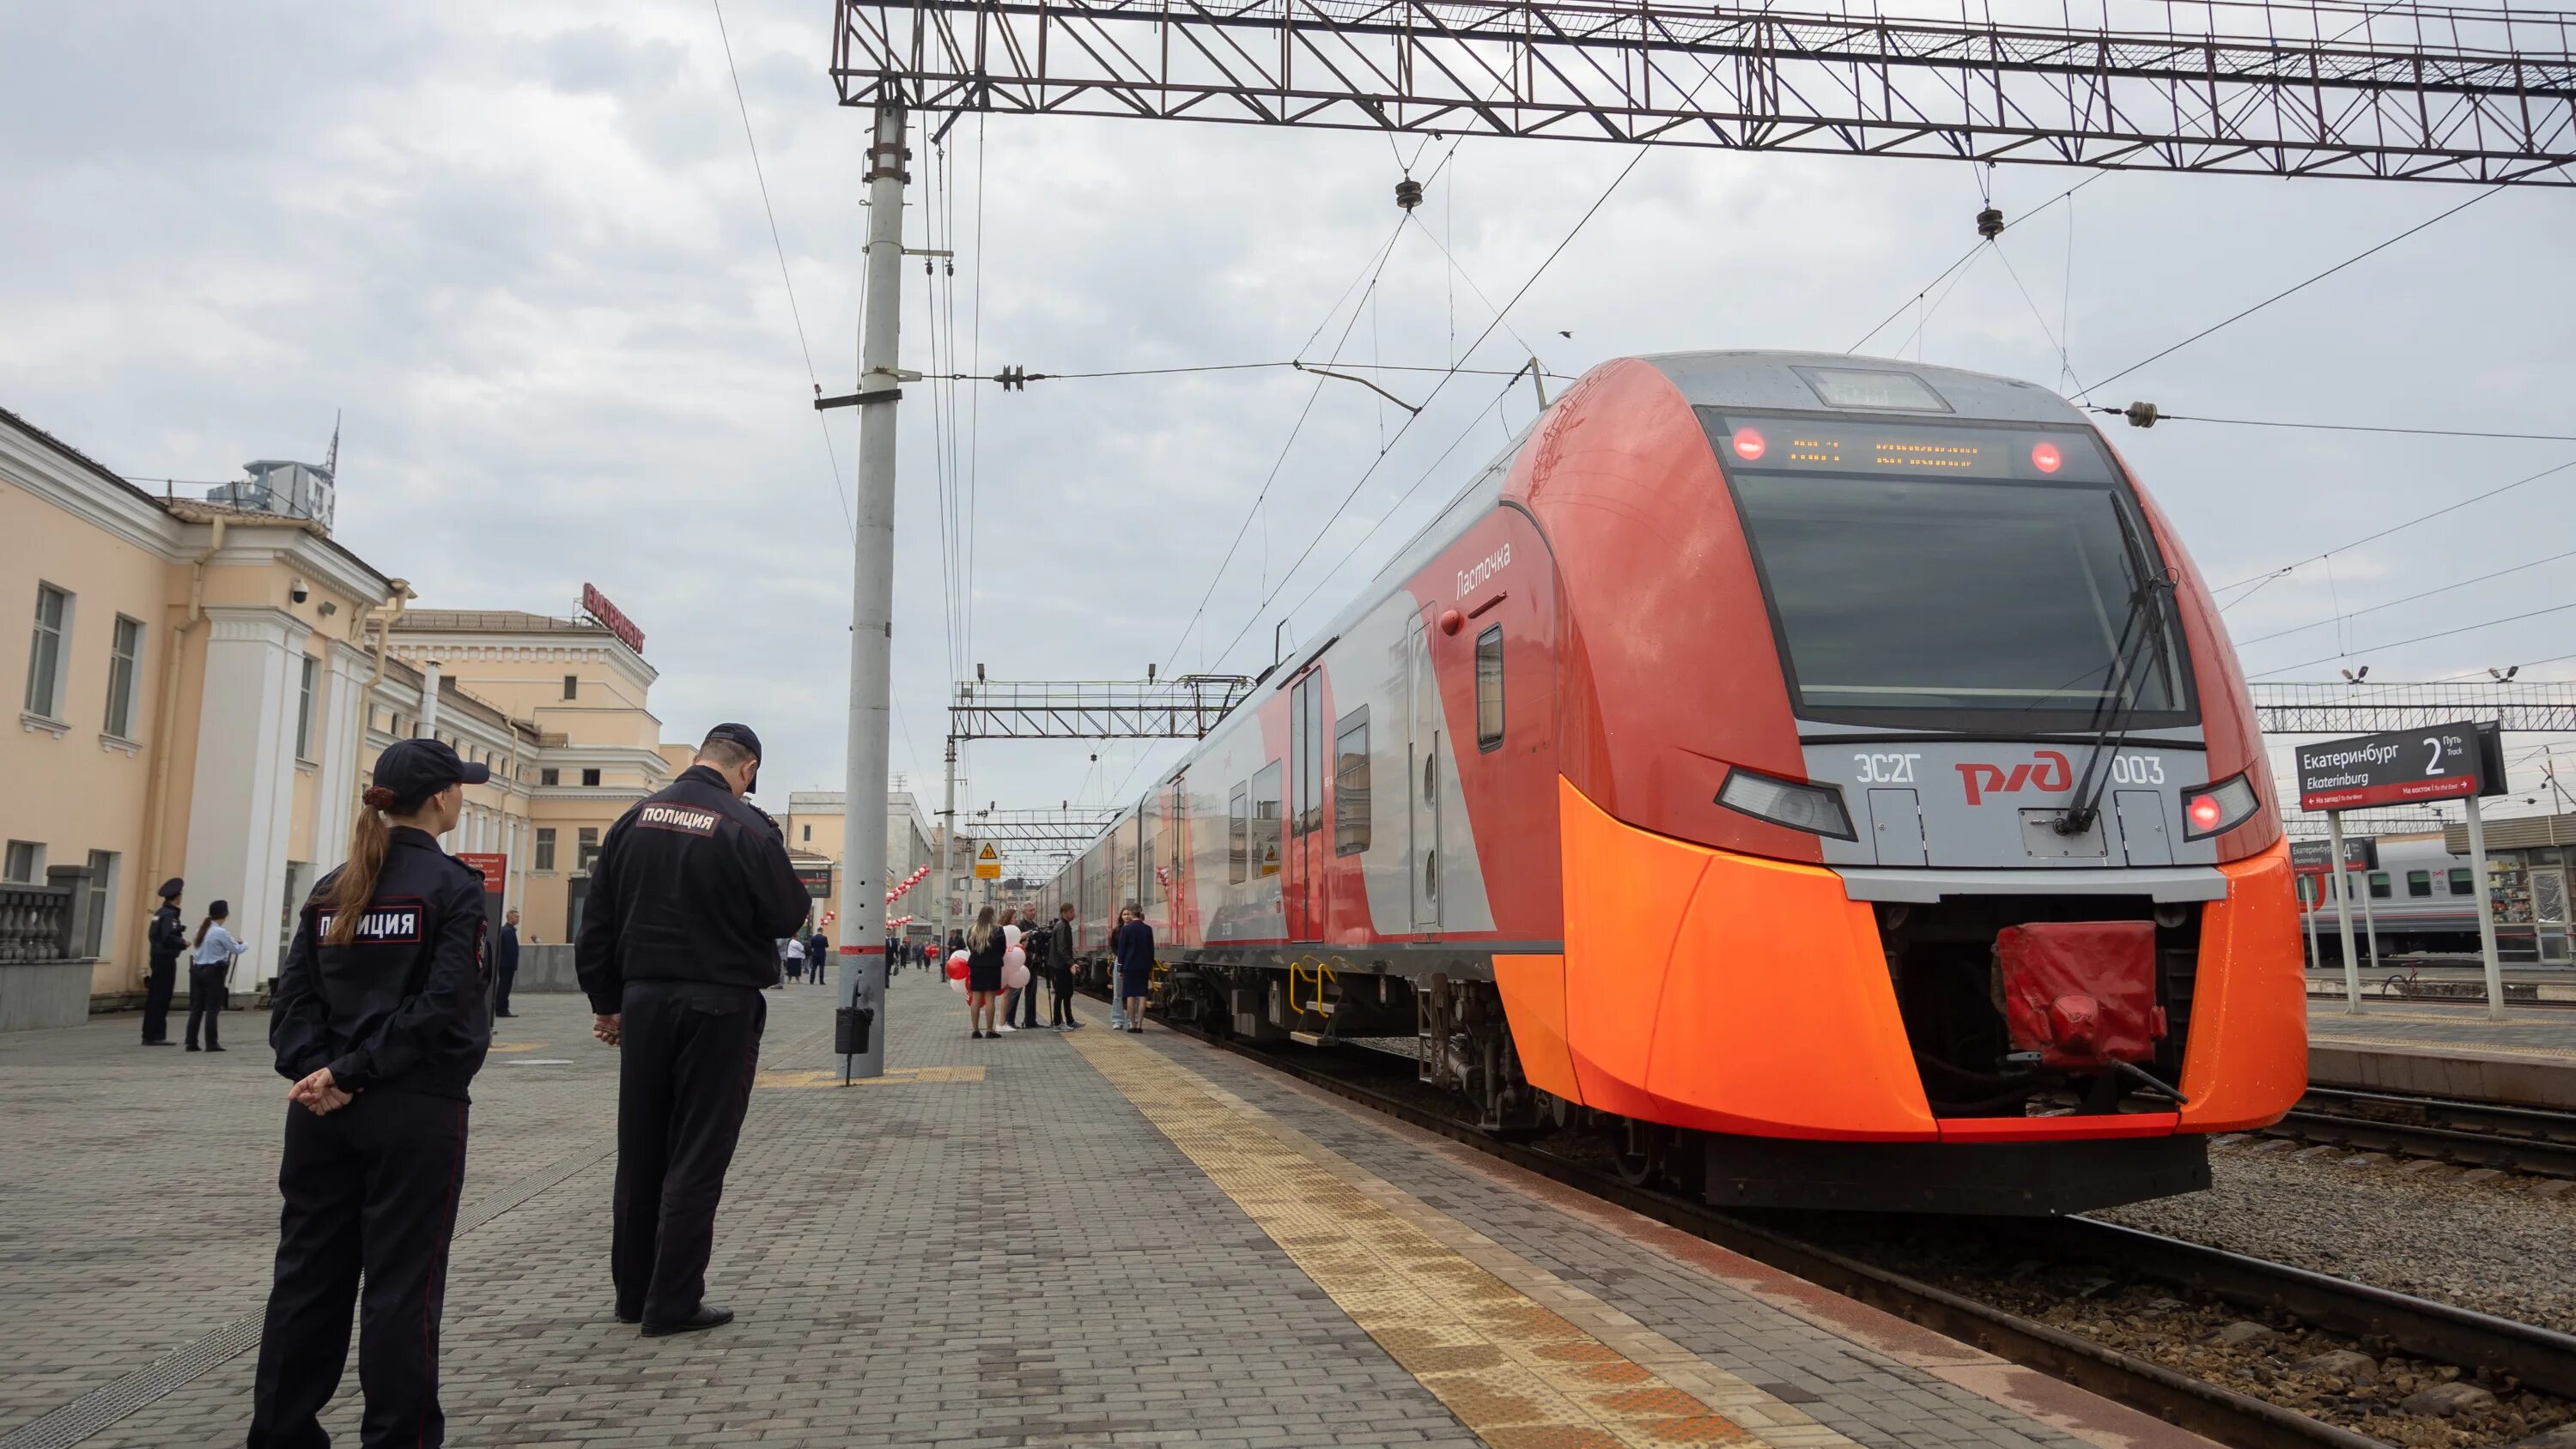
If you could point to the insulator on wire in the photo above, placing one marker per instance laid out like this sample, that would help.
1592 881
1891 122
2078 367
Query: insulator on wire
2140 414
1408 193
1990 223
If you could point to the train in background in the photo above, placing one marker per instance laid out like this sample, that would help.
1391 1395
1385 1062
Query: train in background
2421 898
1828 777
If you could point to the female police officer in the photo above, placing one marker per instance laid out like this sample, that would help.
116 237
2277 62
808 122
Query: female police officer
382 1015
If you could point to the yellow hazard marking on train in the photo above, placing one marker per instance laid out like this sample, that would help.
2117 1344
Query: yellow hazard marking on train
1524 1359
2430 1046
894 1077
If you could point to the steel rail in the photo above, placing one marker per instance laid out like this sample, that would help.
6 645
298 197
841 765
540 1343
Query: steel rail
2473 1134
2419 1327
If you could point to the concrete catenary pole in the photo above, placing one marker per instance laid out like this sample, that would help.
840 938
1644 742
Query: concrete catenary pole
862 985
2487 958
947 855
2340 880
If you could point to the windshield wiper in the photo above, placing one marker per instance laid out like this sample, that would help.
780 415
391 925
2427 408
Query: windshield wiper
2117 709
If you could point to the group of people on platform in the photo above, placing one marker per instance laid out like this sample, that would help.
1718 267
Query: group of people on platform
806 957
1006 959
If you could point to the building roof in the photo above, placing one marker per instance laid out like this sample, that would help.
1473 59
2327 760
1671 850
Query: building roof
491 621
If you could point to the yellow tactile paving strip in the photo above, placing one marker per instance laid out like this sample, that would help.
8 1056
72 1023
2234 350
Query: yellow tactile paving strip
2431 1047
894 1077
1523 1358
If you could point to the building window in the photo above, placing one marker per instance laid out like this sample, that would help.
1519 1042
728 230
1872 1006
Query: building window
549 776
45 654
1266 819
124 666
102 900
2419 882
545 847
2460 881
572 686
809 834
1351 783
2379 890
590 777
1238 833
585 848
1489 689
312 687
25 864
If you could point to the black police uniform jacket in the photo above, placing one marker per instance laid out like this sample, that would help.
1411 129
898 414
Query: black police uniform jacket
407 1005
692 884
168 937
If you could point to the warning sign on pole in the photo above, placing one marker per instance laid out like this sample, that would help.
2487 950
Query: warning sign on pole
988 863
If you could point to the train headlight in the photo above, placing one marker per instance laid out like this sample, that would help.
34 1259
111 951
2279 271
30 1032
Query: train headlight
1816 809
2217 809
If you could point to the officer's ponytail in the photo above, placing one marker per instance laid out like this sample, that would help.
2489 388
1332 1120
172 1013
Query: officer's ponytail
357 883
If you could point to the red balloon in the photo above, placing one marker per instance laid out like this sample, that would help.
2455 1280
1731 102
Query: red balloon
956 970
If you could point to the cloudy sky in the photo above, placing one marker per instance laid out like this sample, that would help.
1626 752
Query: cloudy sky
522 249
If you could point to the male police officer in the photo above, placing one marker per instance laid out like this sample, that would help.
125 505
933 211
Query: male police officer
168 938
688 898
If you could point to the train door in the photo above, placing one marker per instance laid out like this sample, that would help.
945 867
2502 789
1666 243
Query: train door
1422 778
2549 912
1173 879
1304 889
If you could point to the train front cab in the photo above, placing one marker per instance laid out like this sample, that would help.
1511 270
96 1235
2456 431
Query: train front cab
1810 994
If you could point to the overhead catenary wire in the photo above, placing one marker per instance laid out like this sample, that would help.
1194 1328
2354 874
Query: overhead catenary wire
2351 614
2162 416
2297 287
1964 258
786 279
2417 639
2284 570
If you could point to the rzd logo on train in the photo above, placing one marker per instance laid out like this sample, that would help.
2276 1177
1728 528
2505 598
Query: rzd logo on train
2047 772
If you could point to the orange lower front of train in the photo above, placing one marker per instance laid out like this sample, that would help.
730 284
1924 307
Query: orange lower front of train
1748 1002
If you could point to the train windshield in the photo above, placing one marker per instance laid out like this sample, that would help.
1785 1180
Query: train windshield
1955 576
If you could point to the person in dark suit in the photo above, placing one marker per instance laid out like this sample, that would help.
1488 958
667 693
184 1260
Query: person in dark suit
506 959
166 938
818 951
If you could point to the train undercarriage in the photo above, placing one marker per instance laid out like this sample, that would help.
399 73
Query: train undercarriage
1462 1045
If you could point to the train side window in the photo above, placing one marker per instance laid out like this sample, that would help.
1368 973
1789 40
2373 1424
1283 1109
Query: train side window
2460 881
1238 832
2419 882
1265 822
2379 885
1351 783
1489 689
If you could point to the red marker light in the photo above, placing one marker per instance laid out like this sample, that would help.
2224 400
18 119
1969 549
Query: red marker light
2045 457
2204 810
1748 444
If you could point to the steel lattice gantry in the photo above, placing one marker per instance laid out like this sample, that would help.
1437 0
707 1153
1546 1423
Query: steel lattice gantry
2534 707
2326 88
1183 707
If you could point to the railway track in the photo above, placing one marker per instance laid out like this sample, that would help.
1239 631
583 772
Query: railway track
2470 1134
2419 1328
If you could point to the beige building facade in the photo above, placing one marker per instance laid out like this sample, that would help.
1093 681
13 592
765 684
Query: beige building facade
204 685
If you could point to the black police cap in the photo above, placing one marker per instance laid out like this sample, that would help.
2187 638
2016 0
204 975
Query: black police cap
172 887
739 734
417 769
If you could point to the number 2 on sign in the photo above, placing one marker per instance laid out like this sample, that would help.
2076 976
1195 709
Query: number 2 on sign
2433 765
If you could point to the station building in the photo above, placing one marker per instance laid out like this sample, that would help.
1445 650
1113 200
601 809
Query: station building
817 829
207 682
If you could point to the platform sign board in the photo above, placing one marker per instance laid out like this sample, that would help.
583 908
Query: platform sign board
817 879
494 867
2311 857
988 863
2402 767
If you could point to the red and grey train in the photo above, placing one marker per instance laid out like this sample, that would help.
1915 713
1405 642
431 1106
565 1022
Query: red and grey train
1828 775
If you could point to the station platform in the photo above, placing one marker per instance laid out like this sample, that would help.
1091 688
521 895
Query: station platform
1047 1239
2441 1050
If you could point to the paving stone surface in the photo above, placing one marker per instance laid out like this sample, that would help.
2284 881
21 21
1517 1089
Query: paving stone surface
994 1247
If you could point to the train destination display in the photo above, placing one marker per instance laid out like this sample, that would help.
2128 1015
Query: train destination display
1909 448
2402 767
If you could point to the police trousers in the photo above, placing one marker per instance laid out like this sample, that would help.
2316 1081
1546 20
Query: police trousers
370 1189
158 987
206 993
687 1052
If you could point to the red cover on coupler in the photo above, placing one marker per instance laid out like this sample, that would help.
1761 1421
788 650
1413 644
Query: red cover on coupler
2081 993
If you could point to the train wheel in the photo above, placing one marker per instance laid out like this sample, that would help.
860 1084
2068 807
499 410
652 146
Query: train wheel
1641 1147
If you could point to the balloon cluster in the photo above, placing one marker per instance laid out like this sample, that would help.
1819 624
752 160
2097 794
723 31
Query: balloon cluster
909 882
